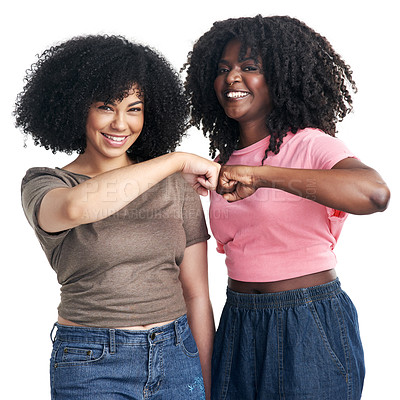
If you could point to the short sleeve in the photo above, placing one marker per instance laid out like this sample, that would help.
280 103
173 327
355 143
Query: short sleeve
194 222
325 151
35 185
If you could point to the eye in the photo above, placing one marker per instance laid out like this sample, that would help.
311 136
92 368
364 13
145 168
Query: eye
104 107
135 109
222 70
251 68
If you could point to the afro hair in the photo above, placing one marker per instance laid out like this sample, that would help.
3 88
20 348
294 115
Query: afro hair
69 77
308 81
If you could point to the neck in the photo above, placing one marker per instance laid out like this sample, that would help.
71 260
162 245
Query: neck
92 166
251 133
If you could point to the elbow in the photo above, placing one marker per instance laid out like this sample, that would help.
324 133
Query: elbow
74 213
379 199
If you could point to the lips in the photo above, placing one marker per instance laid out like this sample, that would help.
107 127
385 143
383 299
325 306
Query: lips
236 94
115 140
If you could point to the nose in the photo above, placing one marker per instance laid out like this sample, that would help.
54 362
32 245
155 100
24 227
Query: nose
118 123
233 76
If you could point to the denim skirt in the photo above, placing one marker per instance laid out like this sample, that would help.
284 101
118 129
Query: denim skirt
301 344
112 364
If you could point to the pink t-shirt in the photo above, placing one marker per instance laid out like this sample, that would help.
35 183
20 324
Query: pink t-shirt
274 235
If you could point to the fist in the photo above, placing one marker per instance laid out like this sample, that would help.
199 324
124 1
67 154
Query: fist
201 174
235 182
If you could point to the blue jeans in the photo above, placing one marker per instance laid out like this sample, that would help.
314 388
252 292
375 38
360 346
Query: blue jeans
297 345
112 364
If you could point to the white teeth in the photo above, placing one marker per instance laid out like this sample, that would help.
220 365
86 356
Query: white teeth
115 138
236 95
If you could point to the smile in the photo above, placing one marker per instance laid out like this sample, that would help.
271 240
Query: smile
115 141
236 95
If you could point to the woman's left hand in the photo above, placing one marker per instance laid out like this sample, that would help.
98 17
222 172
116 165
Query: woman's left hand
349 186
236 182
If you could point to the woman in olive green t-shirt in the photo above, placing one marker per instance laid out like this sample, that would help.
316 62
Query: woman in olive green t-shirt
119 224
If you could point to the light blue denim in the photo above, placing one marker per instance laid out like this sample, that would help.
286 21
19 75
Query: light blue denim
112 364
296 345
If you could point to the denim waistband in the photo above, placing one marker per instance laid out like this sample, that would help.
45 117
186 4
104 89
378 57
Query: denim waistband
288 298
122 336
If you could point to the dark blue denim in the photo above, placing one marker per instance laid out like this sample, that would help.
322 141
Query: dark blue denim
111 364
297 345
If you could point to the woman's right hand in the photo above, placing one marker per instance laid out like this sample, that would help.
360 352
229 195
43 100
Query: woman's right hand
236 182
200 173
105 194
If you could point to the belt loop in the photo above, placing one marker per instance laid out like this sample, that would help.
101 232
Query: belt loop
112 341
51 333
177 335
306 295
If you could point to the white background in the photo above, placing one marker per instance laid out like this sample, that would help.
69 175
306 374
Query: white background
365 33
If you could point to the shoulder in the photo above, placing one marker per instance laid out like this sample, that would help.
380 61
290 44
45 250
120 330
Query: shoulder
37 172
314 137
309 135
52 175
38 181
319 148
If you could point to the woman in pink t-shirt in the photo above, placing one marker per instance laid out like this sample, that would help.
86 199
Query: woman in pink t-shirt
269 92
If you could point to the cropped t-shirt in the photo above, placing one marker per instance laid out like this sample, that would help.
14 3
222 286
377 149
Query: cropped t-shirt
124 269
274 235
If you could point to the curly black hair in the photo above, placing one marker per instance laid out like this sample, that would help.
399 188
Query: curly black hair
69 77
308 81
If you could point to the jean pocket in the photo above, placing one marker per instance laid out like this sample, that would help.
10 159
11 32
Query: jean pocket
189 346
332 331
69 354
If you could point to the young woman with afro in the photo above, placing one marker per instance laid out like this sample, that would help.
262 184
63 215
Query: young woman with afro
269 91
121 225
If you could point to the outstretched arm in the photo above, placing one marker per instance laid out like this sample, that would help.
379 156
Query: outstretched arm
349 186
107 193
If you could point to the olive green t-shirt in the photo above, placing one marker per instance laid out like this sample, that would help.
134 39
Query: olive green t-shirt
124 269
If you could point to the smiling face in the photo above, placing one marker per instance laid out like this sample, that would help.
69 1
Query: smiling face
111 128
240 86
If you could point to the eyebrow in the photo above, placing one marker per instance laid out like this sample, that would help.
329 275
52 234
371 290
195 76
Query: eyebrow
134 103
129 105
226 62
242 60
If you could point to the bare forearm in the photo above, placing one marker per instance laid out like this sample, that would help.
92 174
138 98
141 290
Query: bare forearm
201 322
349 186
357 191
194 278
108 193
